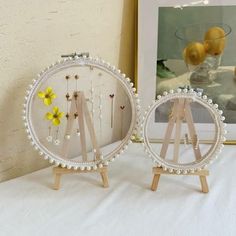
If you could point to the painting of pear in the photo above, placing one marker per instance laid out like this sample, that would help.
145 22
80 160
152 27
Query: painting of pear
214 41
194 53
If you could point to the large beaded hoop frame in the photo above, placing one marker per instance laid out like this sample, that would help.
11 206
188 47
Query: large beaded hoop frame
81 61
219 129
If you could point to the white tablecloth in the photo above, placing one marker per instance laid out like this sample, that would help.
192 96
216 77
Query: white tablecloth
28 206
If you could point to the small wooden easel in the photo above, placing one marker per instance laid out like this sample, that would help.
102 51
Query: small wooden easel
79 110
181 111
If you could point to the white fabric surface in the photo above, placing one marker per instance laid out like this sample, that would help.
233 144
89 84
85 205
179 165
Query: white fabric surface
28 206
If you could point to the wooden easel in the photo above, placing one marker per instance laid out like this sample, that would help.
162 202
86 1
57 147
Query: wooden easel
181 111
79 110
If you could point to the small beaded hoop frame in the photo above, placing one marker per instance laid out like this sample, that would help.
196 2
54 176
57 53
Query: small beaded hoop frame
219 136
83 61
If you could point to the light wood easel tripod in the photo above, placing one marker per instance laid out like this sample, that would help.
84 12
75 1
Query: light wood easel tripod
79 110
181 111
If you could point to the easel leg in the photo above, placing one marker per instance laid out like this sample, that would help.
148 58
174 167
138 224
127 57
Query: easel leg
192 131
80 110
204 184
169 131
104 176
155 182
57 181
179 119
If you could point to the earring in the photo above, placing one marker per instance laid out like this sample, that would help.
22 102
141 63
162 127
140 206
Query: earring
196 141
100 103
76 82
100 111
91 99
112 107
186 140
78 132
76 114
56 140
49 137
67 96
121 120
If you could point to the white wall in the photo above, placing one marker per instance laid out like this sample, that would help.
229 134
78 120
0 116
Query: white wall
33 34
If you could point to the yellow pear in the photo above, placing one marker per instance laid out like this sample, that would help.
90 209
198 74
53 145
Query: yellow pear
194 53
214 41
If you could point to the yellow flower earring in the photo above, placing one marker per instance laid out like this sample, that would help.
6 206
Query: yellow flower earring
47 96
55 116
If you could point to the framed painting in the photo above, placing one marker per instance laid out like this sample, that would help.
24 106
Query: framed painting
188 44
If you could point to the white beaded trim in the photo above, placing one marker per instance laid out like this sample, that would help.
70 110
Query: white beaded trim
220 131
59 66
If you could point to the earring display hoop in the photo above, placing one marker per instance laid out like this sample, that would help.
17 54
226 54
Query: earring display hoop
182 113
80 62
